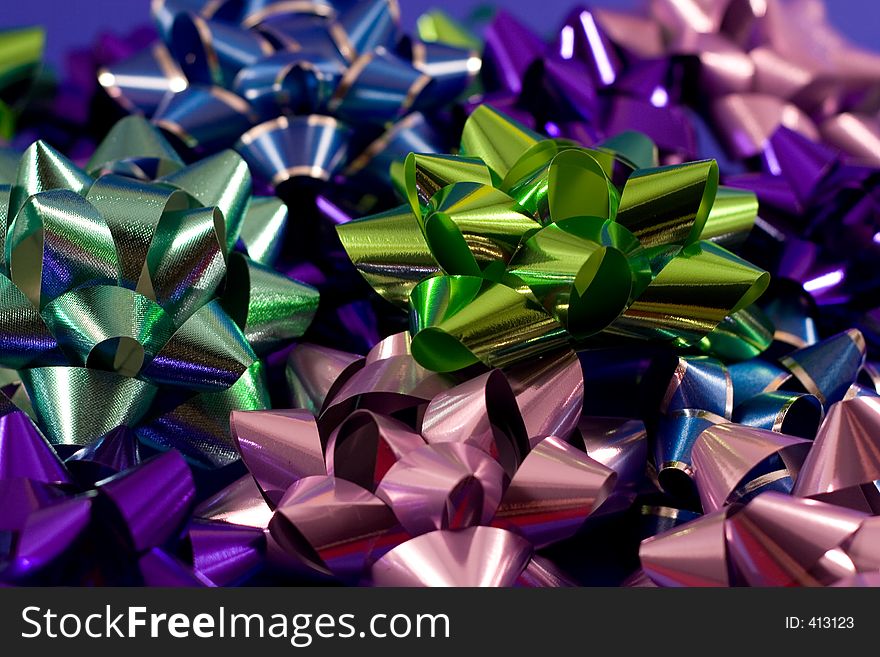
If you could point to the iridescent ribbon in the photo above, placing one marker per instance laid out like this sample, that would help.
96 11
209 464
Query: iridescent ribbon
822 216
303 90
583 85
407 477
521 245
114 307
780 509
749 68
74 114
65 528
21 54
697 404
433 468
769 87
398 467
774 540
790 99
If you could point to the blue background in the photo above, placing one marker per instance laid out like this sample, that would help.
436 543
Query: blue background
74 23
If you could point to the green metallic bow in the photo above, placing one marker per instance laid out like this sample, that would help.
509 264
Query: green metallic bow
521 244
21 52
122 301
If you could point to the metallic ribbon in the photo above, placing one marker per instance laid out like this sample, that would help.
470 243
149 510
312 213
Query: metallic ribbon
399 476
780 509
749 68
417 467
774 540
113 308
785 102
724 434
62 526
303 90
520 246
406 477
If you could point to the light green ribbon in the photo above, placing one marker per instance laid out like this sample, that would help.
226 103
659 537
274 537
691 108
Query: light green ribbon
520 244
114 308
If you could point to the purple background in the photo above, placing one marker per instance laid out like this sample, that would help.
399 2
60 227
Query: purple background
72 23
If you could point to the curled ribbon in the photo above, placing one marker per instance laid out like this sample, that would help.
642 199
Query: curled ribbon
780 509
606 71
302 90
724 434
769 87
822 217
774 540
61 526
404 467
520 246
113 308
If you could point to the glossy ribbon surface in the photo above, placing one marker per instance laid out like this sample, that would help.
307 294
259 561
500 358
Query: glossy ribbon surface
114 308
303 90
785 103
519 246
403 468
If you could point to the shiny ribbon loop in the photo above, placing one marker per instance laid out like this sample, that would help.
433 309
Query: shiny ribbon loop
777 409
223 76
557 253
774 540
61 520
429 462
111 290
790 101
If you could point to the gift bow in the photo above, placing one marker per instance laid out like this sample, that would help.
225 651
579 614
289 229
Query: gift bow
63 527
111 313
800 111
521 245
580 86
21 52
104 516
770 65
824 212
687 395
606 71
774 540
300 89
774 481
401 463
786 95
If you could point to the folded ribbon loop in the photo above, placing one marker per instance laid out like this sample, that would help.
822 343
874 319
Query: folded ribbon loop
278 448
90 532
68 254
843 464
466 558
132 148
353 540
613 259
419 461
221 71
268 307
366 445
111 287
109 328
774 540
443 486
726 456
